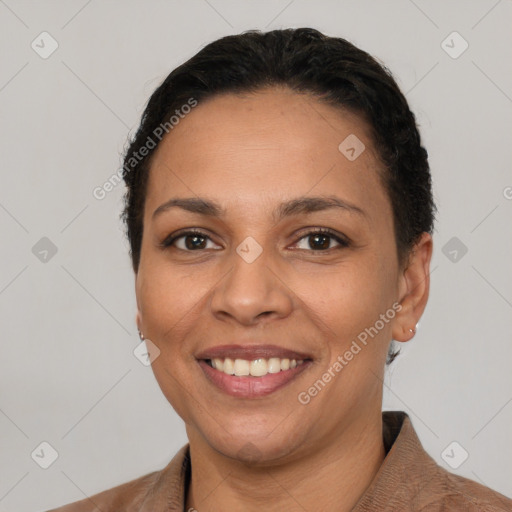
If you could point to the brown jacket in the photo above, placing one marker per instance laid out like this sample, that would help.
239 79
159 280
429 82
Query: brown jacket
408 480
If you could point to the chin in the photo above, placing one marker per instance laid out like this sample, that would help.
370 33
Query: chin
253 444
255 453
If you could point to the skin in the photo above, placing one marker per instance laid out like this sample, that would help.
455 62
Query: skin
250 153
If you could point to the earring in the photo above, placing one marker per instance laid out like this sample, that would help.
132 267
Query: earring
413 331
141 336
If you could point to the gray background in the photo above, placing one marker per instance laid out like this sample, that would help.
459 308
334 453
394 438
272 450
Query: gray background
67 372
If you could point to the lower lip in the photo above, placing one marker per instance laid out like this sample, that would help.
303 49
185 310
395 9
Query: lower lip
251 387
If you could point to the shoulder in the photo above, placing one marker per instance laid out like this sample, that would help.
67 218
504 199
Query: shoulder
410 479
152 492
447 491
127 497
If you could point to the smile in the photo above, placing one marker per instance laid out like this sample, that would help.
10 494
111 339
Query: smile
251 371
256 368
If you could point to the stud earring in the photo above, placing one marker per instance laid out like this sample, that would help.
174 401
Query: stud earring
413 331
141 336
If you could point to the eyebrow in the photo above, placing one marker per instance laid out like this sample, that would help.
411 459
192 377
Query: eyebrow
297 206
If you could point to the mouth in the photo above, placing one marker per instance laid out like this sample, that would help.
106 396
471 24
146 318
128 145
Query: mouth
251 371
255 368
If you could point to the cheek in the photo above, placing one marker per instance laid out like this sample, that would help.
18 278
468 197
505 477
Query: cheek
164 304
168 296
351 301
168 303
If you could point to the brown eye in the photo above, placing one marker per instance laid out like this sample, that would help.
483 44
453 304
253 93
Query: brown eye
189 241
320 240
194 242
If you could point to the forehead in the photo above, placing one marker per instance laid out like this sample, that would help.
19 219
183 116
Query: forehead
247 150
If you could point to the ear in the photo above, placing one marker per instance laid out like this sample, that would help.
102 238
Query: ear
138 316
138 321
414 289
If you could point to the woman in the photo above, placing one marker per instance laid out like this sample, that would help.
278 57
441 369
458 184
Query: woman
279 211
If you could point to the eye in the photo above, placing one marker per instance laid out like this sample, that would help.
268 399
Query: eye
316 240
191 240
320 240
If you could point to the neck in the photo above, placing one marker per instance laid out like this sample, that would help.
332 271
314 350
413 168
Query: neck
334 477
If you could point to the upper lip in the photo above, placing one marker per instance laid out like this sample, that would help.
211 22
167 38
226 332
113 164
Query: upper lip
250 352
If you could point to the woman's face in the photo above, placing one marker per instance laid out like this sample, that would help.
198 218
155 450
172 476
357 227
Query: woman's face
257 288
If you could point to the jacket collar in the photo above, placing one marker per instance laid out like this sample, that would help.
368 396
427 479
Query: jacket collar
405 461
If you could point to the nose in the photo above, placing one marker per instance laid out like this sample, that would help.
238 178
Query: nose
252 291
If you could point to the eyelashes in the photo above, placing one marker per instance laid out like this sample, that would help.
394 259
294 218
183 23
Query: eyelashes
170 240
320 234
324 233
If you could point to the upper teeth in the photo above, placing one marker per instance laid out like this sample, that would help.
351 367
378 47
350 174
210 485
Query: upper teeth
256 368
